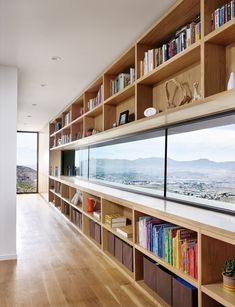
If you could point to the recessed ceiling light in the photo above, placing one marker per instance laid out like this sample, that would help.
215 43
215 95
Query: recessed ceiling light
25 124
29 116
56 58
43 84
34 104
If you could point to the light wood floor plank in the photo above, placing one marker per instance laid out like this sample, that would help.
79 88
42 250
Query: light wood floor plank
57 266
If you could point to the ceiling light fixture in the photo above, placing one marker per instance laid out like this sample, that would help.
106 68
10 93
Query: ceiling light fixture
29 116
56 58
43 84
34 104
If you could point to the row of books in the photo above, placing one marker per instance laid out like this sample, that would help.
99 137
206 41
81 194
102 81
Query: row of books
115 220
54 171
66 209
121 81
67 118
222 15
76 218
65 138
77 198
176 245
184 37
93 102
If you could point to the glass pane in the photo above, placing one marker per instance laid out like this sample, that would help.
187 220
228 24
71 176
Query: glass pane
26 162
136 164
201 162
81 163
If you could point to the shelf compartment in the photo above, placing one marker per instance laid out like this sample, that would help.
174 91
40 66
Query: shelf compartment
123 64
67 117
57 201
154 95
91 93
77 108
76 218
225 35
92 230
121 102
217 293
114 232
97 201
169 267
213 256
93 123
179 62
77 130
120 263
207 301
72 192
65 208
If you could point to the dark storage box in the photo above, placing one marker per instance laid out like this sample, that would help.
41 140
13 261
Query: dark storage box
127 256
111 239
164 285
150 273
118 249
92 229
97 233
184 294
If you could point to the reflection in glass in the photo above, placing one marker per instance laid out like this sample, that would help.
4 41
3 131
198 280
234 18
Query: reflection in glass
134 164
201 161
81 163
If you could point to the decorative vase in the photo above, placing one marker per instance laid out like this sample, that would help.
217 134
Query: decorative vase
231 81
229 283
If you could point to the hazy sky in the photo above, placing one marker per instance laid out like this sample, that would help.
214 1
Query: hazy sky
216 144
27 149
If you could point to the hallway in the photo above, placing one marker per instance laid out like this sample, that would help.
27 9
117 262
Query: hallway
56 266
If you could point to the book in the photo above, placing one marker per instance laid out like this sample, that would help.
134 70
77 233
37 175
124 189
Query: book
126 231
97 214
116 224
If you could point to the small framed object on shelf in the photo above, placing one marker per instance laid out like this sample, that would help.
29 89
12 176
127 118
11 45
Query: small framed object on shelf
123 118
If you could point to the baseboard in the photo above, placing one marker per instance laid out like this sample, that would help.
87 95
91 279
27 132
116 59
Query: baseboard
8 257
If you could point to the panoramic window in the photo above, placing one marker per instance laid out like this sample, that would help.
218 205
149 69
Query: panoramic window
27 161
81 163
201 162
137 163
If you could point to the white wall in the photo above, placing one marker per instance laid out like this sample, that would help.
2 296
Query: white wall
8 119
43 157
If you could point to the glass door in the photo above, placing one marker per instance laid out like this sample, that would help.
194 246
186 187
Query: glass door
27 162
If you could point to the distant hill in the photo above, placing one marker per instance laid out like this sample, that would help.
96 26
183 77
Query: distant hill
154 166
26 179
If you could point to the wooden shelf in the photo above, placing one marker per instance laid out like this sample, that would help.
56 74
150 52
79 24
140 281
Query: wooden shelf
180 61
168 266
218 293
119 264
225 35
95 111
151 294
113 230
91 216
122 95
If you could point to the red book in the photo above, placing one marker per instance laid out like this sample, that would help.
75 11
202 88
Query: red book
191 259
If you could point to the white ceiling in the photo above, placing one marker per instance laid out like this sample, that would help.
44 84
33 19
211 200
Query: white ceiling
87 34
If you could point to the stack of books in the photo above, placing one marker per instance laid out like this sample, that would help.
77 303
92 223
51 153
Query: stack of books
125 231
122 80
67 118
94 102
115 220
183 38
176 245
58 187
222 15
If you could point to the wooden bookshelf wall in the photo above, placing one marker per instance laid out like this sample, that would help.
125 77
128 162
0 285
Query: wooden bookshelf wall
214 245
208 62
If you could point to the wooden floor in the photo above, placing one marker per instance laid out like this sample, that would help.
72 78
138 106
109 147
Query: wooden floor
56 266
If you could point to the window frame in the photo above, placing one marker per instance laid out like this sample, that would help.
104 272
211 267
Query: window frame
165 129
37 134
